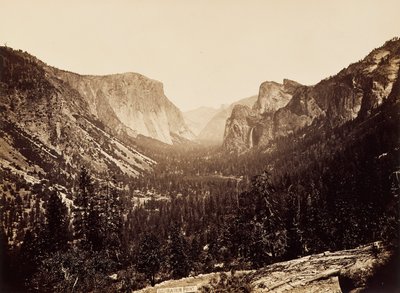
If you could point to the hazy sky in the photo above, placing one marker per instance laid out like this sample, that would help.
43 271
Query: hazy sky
207 52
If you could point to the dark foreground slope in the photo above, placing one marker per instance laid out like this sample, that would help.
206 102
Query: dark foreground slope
341 271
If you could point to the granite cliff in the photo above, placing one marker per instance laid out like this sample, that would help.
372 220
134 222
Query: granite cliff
130 101
213 131
284 109
248 127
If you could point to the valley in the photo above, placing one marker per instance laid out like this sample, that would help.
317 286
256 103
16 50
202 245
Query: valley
101 176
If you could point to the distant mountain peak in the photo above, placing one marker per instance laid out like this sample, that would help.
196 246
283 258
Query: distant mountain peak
213 132
198 118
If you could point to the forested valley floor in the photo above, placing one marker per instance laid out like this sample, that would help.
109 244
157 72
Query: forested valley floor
201 210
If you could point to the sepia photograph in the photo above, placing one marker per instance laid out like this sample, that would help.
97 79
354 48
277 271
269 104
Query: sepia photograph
212 146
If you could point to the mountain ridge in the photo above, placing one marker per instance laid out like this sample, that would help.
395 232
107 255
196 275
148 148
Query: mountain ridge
46 125
198 118
355 90
139 103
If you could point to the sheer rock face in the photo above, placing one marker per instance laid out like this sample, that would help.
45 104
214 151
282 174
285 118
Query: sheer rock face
273 95
132 101
239 133
353 92
243 132
213 131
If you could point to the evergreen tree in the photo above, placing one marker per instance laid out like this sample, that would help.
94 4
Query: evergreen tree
114 218
4 260
95 230
81 210
31 253
258 247
194 254
56 224
177 254
293 245
268 209
149 257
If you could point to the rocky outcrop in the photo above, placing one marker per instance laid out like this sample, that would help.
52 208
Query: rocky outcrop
130 101
314 273
353 92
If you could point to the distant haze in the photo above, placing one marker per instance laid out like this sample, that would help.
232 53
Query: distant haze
206 53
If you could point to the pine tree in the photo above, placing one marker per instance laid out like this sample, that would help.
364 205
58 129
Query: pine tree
113 218
268 204
81 210
95 230
310 223
195 253
31 253
258 247
177 254
4 258
149 257
293 245
56 224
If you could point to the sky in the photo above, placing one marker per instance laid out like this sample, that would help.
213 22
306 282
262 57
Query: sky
206 53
